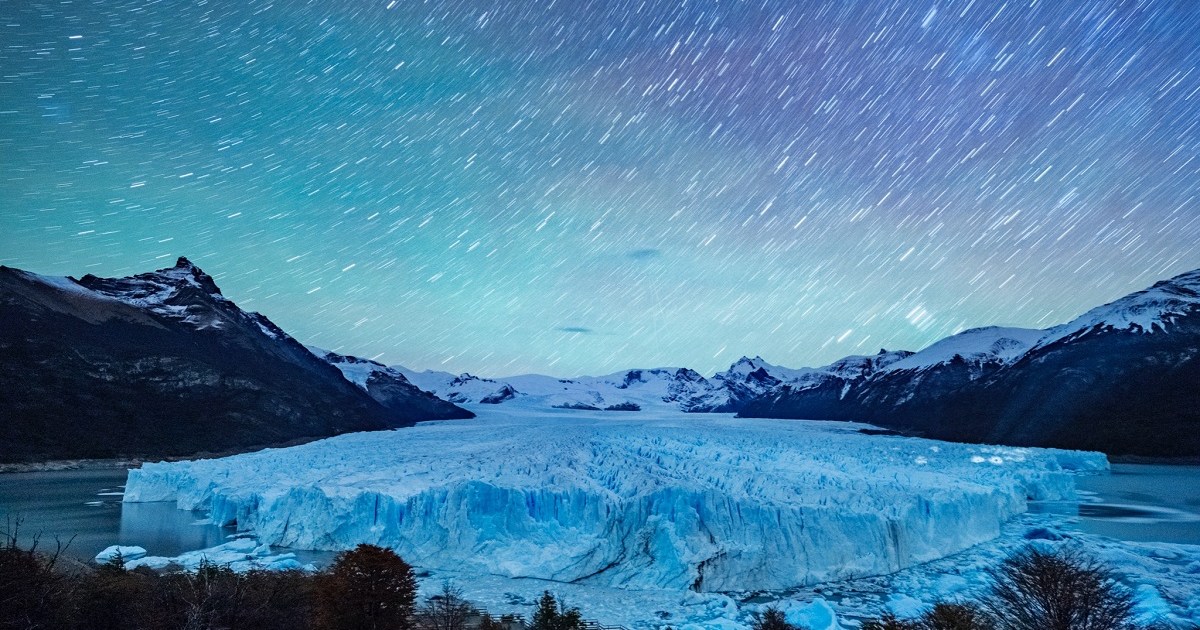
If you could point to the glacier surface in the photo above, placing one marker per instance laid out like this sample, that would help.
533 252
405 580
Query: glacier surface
653 500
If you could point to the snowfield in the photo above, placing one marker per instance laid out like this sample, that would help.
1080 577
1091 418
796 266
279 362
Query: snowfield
665 500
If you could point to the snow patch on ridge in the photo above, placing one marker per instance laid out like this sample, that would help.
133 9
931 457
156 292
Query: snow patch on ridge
1144 311
992 343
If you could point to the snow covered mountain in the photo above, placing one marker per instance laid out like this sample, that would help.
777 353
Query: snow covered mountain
160 364
633 390
1122 378
1159 308
389 387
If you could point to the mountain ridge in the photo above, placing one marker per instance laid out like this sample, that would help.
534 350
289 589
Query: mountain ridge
159 364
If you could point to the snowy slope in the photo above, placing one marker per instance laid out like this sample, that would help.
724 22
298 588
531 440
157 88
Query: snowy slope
648 388
1146 311
665 388
390 388
664 499
990 344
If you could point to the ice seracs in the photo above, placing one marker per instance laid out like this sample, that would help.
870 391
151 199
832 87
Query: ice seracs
664 499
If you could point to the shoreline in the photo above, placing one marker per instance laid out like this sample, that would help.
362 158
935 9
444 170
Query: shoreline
56 465
135 461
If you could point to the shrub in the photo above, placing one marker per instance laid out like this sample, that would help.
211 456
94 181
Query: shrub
34 593
112 598
208 598
771 619
277 600
446 610
368 588
1066 590
945 616
488 623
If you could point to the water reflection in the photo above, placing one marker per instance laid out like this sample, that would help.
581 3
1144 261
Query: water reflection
1137 502
166 531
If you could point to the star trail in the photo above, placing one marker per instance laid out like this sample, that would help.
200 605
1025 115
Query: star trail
574 187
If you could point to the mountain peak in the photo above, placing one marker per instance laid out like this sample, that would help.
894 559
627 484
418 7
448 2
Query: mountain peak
187 271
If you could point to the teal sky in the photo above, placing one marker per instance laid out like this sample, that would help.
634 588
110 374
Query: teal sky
568 188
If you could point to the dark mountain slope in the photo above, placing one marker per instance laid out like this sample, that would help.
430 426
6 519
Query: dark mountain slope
390 388
1123 378
157 364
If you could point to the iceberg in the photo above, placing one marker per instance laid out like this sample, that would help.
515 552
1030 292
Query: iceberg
663 500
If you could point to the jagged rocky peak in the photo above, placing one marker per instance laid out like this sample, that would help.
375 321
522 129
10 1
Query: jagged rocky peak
504 393
170 291
746 365
390 387
467 377
688 374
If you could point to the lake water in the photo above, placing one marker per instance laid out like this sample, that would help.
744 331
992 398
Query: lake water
1136 502
1147 503
86 505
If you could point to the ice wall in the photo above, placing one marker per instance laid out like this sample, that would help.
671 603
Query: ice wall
670 501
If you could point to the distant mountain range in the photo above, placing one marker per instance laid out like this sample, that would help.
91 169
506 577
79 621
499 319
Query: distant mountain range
1123 378
162 363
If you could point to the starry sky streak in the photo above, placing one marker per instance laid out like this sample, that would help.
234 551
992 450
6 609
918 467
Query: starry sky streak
469 185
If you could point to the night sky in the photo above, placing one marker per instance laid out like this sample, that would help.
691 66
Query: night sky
582 186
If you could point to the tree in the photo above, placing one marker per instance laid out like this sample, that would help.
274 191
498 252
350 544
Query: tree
113 598
488 623
1063 590
943 616
277 600
367 588
771 619
206 599
446 610
550 615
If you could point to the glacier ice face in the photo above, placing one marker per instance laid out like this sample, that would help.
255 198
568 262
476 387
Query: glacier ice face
658 500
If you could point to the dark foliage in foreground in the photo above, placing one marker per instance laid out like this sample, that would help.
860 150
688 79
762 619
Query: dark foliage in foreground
552 615
943 616
1036 590
371 588
771 619
34 593
365 589
368 587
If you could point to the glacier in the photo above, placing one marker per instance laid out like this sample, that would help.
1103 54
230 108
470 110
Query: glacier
661 500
